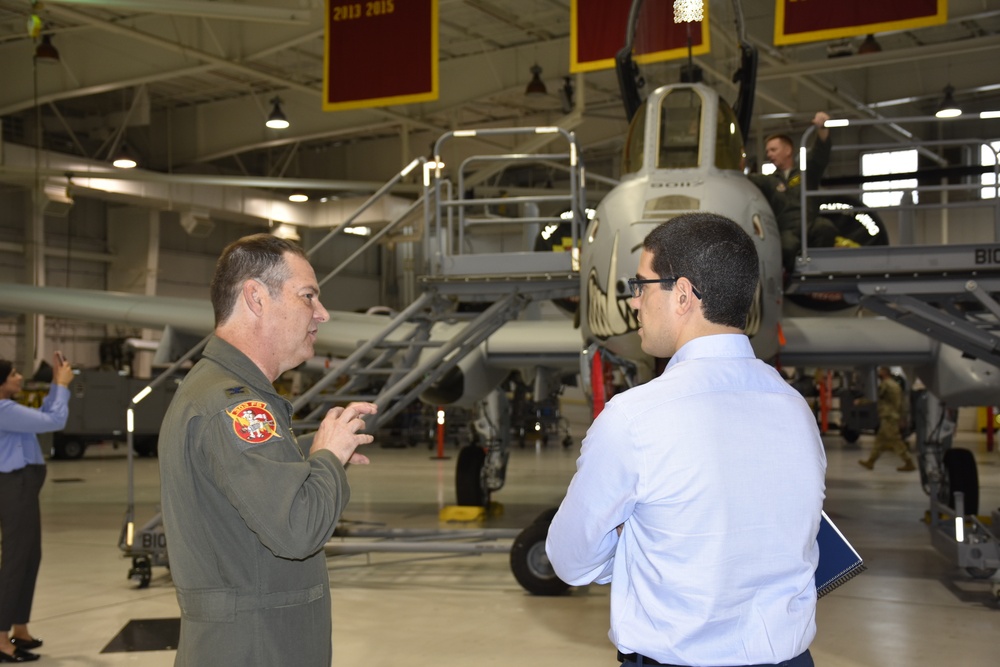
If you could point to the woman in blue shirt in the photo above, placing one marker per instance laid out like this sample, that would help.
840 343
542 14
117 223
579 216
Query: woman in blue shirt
22 472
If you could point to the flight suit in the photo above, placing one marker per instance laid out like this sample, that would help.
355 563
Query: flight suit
890 411
821 232
246 517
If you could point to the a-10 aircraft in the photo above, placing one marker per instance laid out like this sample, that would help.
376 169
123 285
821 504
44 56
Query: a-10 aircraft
686 153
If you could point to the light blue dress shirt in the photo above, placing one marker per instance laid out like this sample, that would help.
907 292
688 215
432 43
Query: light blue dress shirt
19 426
716 471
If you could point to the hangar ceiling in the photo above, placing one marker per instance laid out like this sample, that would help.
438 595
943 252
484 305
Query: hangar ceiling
187 83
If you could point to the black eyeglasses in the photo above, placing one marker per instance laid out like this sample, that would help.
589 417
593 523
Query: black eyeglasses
635 285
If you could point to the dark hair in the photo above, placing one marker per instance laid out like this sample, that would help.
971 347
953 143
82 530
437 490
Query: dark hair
6 368
783 138
256 257
716 255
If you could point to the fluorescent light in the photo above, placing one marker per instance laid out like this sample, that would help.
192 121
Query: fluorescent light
837 122
298 197
990 114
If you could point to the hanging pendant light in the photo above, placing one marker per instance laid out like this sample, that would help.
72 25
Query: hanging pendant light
276 120
536 87
124 159
948 108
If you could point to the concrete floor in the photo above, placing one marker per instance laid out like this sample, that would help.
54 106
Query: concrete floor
912 607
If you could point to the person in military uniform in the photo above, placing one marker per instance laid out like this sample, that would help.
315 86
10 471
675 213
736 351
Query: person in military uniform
890 412
245 510
780 151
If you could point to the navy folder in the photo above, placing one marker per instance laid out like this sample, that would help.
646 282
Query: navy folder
839 562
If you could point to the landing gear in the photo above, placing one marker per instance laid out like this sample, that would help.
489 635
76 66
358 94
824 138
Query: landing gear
141 570
962 477
469 476
482 469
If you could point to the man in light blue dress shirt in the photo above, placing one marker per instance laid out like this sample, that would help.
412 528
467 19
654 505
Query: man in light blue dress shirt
698 495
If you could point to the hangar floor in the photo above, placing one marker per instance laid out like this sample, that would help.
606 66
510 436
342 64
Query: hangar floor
911 608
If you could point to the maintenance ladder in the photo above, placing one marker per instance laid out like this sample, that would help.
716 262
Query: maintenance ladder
406 358
946 292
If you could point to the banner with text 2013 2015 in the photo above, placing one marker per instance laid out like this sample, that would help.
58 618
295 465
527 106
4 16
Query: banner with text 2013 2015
380 53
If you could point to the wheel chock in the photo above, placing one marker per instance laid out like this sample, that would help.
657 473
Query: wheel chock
462 513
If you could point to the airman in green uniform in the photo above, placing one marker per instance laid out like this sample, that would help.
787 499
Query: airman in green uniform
890 413
246 512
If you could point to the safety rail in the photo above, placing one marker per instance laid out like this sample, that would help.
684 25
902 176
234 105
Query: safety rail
804 263
454 207
422 200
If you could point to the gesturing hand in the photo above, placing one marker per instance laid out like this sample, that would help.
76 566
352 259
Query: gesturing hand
340 432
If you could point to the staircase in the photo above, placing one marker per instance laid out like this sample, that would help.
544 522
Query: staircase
465 296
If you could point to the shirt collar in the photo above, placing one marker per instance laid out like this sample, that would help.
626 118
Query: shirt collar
717 345
239 364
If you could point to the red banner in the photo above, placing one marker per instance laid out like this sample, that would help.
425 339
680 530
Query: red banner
797 21
379 53
598 30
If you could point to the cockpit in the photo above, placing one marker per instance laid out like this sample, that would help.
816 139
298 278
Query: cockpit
682 136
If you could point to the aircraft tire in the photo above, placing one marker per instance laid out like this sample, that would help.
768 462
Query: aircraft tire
546 516
531 566
981 572
145 446
468 477
68 449
963 477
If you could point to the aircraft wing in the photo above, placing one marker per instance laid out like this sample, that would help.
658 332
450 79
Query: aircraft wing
550 343
852 341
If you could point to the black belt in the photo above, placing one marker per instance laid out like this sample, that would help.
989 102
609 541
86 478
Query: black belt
643 660
640 659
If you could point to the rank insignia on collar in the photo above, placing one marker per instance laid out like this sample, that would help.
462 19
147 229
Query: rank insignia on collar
236 391
253 423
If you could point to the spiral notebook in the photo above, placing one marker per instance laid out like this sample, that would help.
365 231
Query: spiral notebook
839 562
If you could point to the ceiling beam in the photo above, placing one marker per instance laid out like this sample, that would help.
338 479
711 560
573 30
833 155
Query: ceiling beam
229 11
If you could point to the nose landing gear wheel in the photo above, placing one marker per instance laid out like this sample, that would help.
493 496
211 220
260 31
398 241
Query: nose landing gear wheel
530 564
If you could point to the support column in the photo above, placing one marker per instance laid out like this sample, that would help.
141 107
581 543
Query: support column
134 235
34 261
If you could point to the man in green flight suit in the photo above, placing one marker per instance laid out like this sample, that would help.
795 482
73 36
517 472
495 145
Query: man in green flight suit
246 513
890 412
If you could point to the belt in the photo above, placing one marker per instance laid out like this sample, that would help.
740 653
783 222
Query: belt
639 659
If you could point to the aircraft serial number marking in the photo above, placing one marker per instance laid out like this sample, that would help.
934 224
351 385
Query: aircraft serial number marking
987 255
359 10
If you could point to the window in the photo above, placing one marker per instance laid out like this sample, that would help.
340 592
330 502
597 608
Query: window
888 193
680 130
728 140
988 158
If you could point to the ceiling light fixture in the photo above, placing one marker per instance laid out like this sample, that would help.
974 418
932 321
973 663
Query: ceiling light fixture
688 11
298 197
948 108
123 159
277 120
45 52
536 87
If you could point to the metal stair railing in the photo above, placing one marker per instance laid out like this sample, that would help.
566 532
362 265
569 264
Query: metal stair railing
413 375
947 292
455 206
